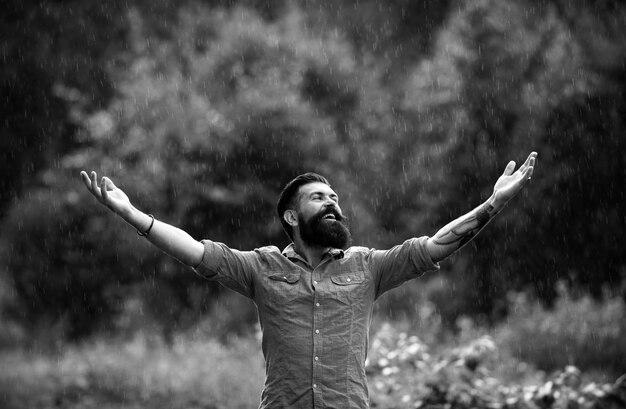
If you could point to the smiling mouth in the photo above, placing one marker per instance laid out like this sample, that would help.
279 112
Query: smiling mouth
329 217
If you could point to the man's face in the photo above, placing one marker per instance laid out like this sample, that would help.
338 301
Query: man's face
320 218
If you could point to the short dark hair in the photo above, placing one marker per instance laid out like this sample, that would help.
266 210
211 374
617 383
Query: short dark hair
289 195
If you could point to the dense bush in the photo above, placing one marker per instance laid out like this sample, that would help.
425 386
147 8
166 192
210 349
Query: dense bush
541 358
142 372
579 331
404 374
576 330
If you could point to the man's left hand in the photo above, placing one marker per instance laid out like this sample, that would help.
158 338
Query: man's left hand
511 182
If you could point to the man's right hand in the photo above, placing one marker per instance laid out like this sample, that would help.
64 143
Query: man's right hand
107 193
172 240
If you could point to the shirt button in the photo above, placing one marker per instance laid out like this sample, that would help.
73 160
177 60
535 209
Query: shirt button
315 385
317 304
317 358
317 331
314 282
348 280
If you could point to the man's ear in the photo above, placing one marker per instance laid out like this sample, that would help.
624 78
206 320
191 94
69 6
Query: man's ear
291 217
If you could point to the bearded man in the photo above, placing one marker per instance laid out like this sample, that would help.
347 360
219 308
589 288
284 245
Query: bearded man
314 298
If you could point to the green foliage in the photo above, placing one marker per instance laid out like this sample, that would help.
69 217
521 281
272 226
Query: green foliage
142 372
404 374
203 135
201 111
505 78
66 285
220 121
474 371
580 331
577 330
48 46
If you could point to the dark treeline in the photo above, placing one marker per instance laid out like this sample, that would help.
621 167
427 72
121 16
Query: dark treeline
202 110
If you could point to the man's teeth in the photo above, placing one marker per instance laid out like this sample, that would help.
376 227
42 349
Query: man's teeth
330 216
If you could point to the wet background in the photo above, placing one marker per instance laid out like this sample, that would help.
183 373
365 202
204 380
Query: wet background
201 111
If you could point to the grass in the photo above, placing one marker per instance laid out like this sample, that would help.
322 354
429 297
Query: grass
143 372
520 361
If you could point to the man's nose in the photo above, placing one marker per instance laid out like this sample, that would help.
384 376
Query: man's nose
331 204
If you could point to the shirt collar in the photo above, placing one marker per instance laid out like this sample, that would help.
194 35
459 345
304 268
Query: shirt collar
291 253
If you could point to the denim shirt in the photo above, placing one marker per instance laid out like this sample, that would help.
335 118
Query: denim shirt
315 321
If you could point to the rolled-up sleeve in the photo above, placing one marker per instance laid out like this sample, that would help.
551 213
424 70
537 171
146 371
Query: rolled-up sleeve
400 263
231 268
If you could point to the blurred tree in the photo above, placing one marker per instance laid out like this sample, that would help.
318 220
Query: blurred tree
510 77
206 125
201 111
45 63
392 34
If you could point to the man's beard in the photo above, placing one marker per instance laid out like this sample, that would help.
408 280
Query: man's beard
318 231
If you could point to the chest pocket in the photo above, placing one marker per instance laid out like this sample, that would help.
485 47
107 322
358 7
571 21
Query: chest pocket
348 287
283 286
351 278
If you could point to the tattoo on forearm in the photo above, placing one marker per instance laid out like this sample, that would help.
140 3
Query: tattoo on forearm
463 230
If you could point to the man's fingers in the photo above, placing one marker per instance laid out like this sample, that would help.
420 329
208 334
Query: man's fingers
86 180
110 185
530 165
103 190
525 165
509 168
94 184
89 182
95 189
528 160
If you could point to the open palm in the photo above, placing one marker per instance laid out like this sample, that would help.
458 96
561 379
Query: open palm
107 193
511 182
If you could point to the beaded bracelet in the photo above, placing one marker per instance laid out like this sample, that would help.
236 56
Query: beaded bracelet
145 233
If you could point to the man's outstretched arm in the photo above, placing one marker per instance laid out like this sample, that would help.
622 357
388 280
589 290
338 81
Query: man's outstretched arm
172 240
459 232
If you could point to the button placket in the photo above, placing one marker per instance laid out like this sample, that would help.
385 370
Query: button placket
317 340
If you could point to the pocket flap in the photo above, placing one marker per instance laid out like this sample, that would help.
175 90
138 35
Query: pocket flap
290 278
348 278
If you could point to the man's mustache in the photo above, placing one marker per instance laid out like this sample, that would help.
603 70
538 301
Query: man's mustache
332 210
